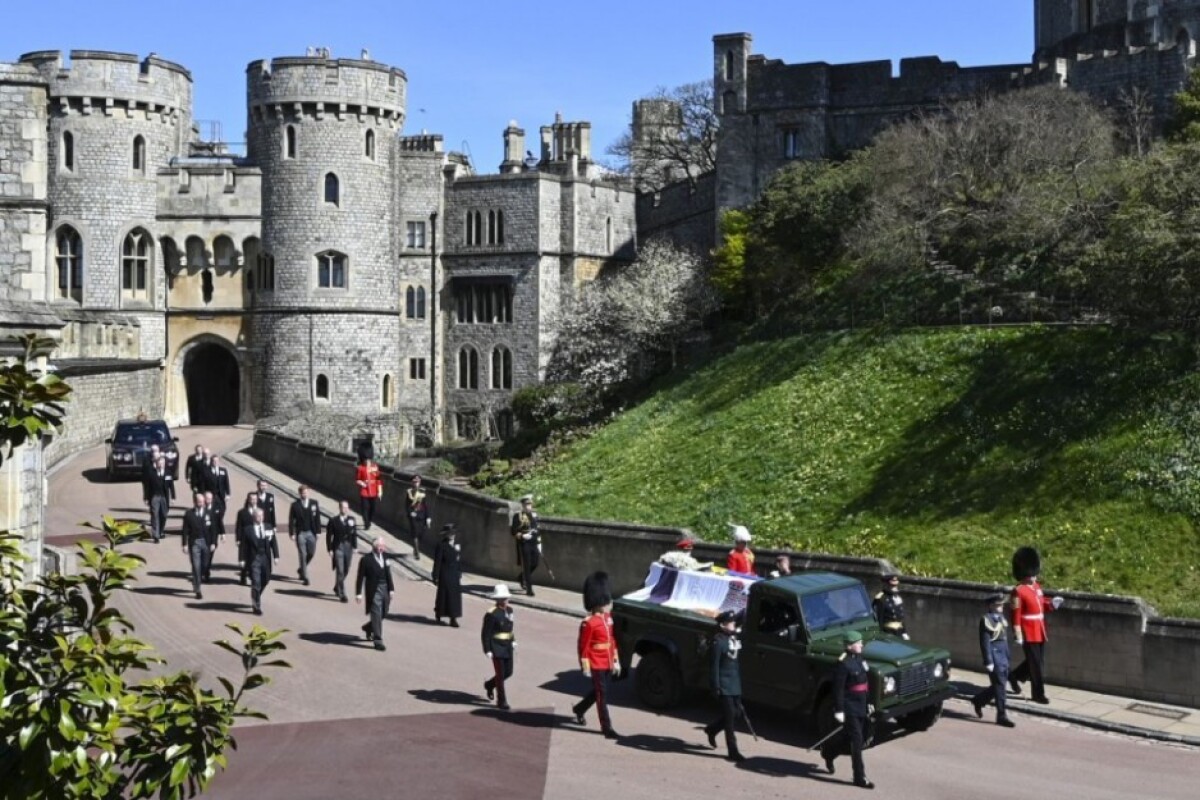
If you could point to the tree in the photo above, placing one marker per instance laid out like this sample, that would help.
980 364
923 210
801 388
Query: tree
672 137
1184 125
30 401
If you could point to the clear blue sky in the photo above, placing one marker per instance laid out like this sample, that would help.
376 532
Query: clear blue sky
474 65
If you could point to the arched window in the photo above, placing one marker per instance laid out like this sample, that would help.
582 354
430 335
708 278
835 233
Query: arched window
728 65
68 151
499 227
135 265
469 227
331 270
333 192
68 256
224 253
468 368
491 229
197 255
322 388
386 400
420 302
139 155
289 142
478 228
410 303
369 145
501 368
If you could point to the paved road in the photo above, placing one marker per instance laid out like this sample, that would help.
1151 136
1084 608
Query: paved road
349 722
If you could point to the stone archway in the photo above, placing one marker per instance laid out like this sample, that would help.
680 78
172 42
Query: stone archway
212 380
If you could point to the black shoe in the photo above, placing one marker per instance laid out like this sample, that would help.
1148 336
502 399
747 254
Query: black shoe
611 734
579 720
1043 700
453 622
366 629
379 645
735 757
199 596
529 591
864 784
712 738
829 763
242 580
503 706
257 611
437 620
1005 722
978 708
344 599
1015 684
491 692
305 581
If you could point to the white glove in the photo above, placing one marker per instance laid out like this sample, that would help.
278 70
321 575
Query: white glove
428 521
1056 602
839 716
489 655
586 666
1020 637
527 536
616 669
989 667
905 636
539 547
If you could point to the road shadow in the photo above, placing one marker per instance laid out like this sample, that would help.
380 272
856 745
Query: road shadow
525 719
177 574
416 619
666 744
335 637
313 593
787 768
100 475
448 697
161 590
214 605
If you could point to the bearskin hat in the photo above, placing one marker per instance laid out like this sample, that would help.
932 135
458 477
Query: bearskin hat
595 591
1026 563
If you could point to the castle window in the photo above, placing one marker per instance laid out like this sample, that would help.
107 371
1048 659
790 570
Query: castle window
68 256
495 229
264 279
729 65
608 239
474 227
289 142
791 143
196 255
416 369
1084 16
414 235
331 270
207 287
414 302
499 227
135 265
224 253
483 303
332 189
466 425
502 368
322 388
504 424
68 151
468 368
369 145
386 400
139 155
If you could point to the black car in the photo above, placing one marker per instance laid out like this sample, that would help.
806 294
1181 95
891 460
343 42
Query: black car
129 446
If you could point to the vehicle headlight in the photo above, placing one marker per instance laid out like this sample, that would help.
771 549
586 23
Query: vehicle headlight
939 670
889 685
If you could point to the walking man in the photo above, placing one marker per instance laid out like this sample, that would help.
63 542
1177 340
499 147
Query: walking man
447 576
850 709
597 648
263 551
156 491
341 536
529 542
993 646
373 573
416 504
304 521
193 470
242 523
265 499
215 525
198 540
725 676
370 489
498 645
1029 608
889 607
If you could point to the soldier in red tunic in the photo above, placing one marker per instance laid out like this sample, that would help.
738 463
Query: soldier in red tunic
1029 608
370 489
741 557
597 650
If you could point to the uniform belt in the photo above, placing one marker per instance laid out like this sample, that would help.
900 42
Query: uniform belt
892 625
857 687
601 645
501 635
1033 616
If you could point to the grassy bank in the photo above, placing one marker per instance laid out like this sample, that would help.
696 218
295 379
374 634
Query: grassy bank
941 451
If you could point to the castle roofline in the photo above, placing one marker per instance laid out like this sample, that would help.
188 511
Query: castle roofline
263 65
38 56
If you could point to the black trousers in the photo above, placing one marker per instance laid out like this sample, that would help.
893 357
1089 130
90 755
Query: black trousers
597 697
504 670
260 576
731 710
530 558
418 528
367 506
1032 668
849 740
996 690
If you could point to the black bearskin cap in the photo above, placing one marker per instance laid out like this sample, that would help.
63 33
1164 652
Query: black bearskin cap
1026 563
595 591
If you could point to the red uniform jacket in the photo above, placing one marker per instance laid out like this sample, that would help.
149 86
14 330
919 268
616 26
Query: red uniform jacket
596 643
369 474
1029 609
742 562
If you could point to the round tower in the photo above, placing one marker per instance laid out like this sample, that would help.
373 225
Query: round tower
114 119
324 133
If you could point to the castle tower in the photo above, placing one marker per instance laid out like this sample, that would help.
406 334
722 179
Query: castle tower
731 51
323 132
113 121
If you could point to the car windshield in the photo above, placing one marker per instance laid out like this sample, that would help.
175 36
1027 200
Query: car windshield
836 607
142 433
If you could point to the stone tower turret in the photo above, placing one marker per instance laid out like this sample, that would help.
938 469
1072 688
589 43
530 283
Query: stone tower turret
731 51
113 121
324 133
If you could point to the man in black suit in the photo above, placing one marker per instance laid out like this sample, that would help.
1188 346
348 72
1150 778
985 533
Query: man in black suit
199 541
243 521
218 484
374 573
304 523
265 500
341 535
193 470
156 492
262 551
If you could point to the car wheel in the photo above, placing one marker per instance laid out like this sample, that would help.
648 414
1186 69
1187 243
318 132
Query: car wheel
822 721
921 720
658 681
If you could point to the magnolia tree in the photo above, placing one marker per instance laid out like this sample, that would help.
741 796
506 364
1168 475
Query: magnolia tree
615 323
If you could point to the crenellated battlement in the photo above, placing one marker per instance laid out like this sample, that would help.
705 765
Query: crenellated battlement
420 143
320 88
110 83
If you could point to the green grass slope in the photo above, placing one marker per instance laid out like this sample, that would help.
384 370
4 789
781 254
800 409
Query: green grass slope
941 451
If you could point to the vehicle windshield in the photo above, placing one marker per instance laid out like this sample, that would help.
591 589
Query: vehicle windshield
836 607
142 433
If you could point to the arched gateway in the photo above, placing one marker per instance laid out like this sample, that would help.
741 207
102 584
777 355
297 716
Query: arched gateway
213 383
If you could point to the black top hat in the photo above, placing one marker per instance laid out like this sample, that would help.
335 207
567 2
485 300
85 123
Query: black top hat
596 592
448 528
996 599
726 617
890 577
1026 563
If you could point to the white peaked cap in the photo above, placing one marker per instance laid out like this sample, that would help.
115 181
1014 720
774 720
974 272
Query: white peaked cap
740 532
500 592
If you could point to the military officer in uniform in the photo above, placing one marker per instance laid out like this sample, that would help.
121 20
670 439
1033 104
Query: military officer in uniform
447 577
262 551
304 523
889 607
725 677
199 542
374 574
741 557
529 542
850 690
993 646
370 489
597 648
498 645
1029 609
416 505
341 536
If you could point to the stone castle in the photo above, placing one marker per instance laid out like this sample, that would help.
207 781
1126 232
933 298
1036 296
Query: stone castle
340 266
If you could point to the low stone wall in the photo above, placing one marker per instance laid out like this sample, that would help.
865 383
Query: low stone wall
104 391
1101 643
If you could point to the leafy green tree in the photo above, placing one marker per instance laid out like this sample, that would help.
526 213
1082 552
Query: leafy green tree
30 401
1184 125
729 260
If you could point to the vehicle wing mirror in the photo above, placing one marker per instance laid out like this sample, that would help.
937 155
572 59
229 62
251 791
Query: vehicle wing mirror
795 633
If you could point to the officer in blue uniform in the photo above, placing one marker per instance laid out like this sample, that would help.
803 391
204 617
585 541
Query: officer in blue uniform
725 677
993 646
850 690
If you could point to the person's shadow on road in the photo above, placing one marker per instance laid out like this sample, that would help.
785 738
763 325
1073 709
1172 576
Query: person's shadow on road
335 637
448 697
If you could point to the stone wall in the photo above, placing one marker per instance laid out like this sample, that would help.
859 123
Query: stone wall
23 207
104 392
1097 642
684 213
